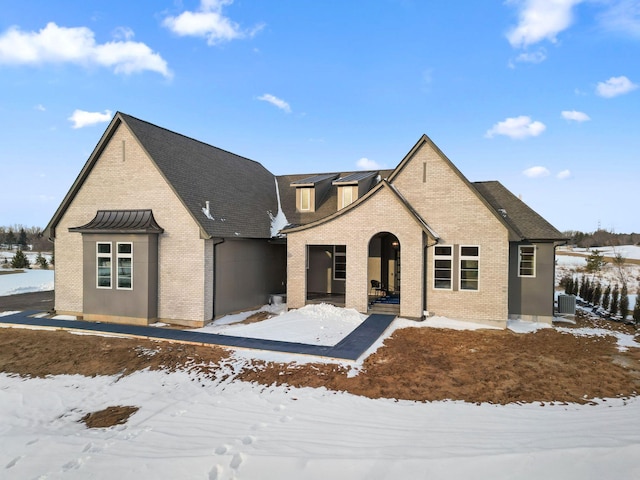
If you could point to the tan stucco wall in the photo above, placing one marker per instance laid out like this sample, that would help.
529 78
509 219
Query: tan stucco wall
380 213
459 217
125 178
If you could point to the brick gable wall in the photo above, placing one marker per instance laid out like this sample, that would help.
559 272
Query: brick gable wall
450 206
123 177
382 212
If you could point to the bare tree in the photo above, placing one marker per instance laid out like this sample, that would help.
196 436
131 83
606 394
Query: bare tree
619 263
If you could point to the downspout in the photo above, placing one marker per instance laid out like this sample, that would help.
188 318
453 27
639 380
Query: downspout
553 287
424 279
215 274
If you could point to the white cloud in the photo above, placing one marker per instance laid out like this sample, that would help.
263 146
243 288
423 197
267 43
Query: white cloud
536 172
622 16
81 118
209 22
40 108
563 174
517 128
123 33
367 164
278 102
77 45
540 20
615 86
575 116
532 57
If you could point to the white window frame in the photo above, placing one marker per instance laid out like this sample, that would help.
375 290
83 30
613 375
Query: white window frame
533 261
462 258
306 191
103 255
448 258
120 256
343 255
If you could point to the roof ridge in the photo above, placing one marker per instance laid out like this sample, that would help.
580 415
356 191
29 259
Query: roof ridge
126 115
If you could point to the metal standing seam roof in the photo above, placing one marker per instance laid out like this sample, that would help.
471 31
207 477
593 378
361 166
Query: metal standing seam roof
327 206
121 221
354 178
310 181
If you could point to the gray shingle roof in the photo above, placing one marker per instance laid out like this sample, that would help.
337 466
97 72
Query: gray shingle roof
327 206
121 221
518 215
241 192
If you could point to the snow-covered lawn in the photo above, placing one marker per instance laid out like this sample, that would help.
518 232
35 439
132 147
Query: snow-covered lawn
29 281
571 264
220 428
204 429
31 256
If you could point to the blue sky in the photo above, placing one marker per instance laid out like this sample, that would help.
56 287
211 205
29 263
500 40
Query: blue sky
541 95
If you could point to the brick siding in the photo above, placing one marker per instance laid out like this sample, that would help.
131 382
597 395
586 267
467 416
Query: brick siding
125 178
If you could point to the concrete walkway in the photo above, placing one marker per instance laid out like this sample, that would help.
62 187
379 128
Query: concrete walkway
349 348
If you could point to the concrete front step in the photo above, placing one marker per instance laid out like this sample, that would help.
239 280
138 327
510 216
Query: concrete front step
385 309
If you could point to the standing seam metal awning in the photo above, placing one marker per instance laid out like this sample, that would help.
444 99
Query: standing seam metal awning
121 221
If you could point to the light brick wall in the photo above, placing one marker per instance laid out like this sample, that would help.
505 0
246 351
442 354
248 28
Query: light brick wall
456 213
124 178
381 213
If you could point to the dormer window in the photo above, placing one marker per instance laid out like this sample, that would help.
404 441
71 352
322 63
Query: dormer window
311 191
347 195
353 186
305 199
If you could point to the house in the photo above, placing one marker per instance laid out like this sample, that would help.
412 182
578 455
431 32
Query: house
159 226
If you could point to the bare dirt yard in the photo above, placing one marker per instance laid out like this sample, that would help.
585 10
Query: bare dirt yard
422 364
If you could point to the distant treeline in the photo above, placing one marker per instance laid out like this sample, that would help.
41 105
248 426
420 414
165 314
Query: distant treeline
601 238
24 237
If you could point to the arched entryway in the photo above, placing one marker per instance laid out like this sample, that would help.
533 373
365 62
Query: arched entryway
383 273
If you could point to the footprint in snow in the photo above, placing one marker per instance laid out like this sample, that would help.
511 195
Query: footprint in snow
215 473
236 461
12 463
72 465
222 449
91 448
286 419
248 440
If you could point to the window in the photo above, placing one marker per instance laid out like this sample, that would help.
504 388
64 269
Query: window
347 196
442 267
469 267
526 261
125 266
103 265
339 262
305 199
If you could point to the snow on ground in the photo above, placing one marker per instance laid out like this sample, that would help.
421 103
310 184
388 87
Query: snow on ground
312 324
29 281
627 251
31 256
572 264
625 340
220 429
216 429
